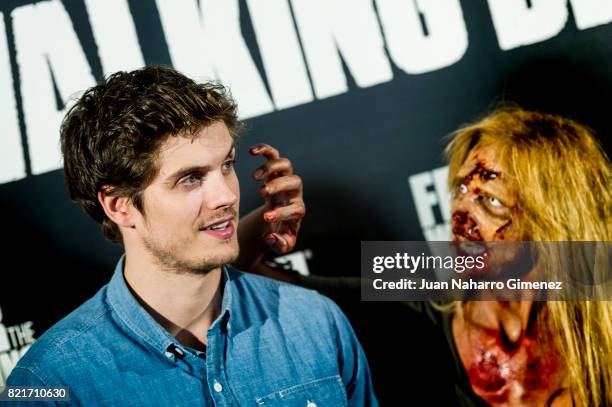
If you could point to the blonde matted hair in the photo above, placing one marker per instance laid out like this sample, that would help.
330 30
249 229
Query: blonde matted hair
562 176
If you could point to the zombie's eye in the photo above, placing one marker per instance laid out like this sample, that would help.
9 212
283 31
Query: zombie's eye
495 202
462 188
489 175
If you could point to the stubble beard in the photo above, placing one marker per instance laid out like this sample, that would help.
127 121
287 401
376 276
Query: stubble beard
166 257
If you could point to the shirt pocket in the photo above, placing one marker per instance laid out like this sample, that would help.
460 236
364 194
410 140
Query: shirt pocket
325 392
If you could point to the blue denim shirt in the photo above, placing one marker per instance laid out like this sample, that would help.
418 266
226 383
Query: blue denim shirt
273 344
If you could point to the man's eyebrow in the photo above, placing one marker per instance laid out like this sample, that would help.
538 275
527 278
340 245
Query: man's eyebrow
231 149
202 169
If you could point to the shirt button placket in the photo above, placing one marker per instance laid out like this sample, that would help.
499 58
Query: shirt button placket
215 369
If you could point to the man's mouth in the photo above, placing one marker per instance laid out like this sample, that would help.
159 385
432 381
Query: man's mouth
222 229
218 226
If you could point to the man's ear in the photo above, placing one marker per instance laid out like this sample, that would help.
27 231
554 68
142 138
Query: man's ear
119 209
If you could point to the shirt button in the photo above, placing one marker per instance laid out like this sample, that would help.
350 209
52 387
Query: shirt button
217 386
311 404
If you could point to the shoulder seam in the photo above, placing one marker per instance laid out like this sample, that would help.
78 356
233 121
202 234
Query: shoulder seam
83 328
30 370
57 344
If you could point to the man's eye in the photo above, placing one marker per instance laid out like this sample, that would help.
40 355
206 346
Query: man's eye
495 202
228 165
462 188
190 180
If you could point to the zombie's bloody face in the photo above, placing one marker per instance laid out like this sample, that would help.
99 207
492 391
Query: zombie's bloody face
499 342
484 210
483 200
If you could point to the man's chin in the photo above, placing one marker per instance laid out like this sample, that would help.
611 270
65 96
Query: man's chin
207 263
199 264
201 267
220 258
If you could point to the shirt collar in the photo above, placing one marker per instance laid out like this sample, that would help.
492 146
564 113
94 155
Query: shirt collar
141 323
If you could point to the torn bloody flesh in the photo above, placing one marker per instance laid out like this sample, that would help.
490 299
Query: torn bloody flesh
482 171
465 226
499 233
496 369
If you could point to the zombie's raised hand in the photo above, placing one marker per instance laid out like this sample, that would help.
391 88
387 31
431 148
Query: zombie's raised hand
284 204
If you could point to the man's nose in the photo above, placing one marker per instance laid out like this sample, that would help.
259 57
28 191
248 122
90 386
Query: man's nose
222 192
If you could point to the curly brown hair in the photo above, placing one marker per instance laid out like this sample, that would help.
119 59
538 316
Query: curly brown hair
111 137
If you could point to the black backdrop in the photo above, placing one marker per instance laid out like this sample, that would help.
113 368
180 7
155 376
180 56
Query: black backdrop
355 150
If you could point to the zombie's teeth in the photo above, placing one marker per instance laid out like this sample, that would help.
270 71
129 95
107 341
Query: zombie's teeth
472 248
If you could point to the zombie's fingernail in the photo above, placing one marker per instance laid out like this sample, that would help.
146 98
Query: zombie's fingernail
269 216
258 173
270 240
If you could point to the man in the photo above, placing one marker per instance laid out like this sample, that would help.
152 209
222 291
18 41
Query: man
150 156
515 175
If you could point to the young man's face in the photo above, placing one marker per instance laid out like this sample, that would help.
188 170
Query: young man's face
191 207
